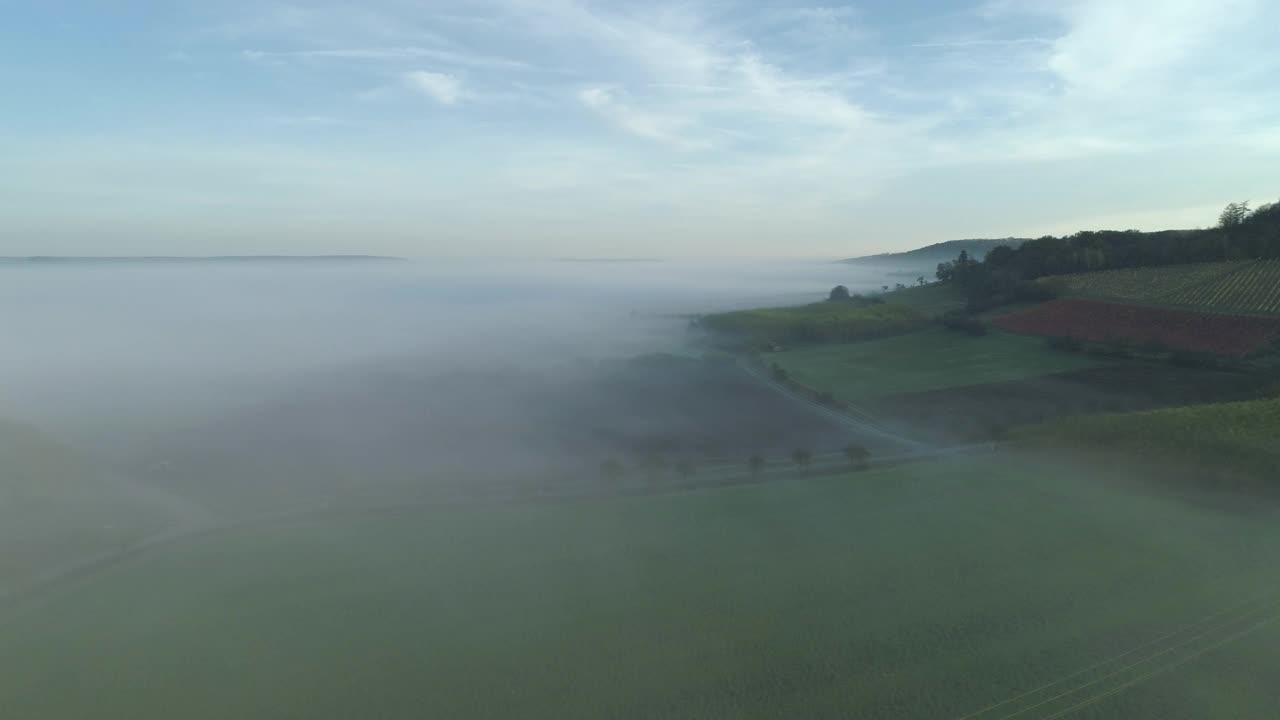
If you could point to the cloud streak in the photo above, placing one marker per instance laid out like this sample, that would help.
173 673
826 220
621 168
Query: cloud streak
392 54
444 89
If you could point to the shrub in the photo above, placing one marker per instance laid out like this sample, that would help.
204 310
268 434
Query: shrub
819 322
1192 359
1035 292
1155 346
1065 344
1113 347
778 372
962 322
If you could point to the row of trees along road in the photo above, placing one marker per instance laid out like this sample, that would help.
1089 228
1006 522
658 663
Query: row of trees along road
655 466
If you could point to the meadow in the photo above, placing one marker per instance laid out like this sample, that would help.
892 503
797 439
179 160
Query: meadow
56 507
928 360
1225 442
972 413
985 588
931 300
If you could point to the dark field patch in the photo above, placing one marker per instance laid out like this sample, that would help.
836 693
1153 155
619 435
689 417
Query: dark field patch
341 430
980 412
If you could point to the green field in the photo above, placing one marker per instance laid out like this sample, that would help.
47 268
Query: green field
1220 438
55 507
932 299
923 592
928 360
1244 287
817 322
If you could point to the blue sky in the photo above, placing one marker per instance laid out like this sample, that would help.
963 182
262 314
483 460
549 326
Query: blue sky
565 127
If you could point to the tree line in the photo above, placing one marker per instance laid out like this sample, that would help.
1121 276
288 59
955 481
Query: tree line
1008 274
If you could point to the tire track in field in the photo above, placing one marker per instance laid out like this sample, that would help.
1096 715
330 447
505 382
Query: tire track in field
1235 613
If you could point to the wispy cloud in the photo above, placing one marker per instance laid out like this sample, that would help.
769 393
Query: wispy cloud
392 54
982 42
444 89
664 129
743 115
1113 45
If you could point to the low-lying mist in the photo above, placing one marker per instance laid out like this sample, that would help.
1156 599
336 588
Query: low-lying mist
203 376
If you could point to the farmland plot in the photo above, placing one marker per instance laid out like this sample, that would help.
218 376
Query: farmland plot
1239 287
1097 321
984 588
1251 288
1147 284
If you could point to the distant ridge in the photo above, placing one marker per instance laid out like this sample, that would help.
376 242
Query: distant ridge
940 252
610 260
178 259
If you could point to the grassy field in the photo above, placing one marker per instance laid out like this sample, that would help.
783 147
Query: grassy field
923 592
1245 287
927 360
930 300
817 322
1220 439
55 507
974 413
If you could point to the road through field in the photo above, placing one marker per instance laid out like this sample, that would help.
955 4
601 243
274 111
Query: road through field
188 520
855 420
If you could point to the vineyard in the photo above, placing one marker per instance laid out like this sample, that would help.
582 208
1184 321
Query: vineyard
1238 287
1097 321
1252 288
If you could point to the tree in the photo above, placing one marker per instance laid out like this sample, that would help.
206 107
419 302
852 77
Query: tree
838 293
946 271
900 286
611 469
884 288
778 372
1233 215
858 456
755 464
999 255
687 469
920 280
802 457
654 465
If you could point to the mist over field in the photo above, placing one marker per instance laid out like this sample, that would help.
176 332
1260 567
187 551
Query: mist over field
499 477
393 367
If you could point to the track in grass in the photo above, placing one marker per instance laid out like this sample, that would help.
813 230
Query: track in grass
1220 630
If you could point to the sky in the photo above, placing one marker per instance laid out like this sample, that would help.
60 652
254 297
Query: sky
569 128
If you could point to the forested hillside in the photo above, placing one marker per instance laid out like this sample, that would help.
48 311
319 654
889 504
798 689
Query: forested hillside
1004 274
